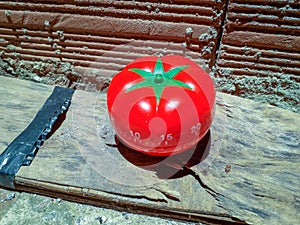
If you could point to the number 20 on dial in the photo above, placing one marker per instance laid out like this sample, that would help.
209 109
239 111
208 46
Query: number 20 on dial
161 105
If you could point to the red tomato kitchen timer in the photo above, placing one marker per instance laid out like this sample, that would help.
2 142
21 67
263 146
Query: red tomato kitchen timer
161 105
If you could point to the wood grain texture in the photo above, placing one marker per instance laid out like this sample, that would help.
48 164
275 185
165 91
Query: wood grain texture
17 109
257 144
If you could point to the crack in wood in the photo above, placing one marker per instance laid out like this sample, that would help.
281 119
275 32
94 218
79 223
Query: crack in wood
148 194
209 190
263 196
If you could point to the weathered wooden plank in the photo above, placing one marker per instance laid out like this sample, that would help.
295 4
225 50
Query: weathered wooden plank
81 164
18 109
257 144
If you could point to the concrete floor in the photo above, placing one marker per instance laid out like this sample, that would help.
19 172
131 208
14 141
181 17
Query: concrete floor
23 208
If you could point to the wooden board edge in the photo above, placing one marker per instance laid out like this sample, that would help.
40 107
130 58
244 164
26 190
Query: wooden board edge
106 200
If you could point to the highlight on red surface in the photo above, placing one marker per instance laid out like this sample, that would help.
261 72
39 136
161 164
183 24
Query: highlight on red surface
161 105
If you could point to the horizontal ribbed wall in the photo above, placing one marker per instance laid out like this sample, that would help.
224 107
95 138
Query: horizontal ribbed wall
259 54
107 34
252 47
262 37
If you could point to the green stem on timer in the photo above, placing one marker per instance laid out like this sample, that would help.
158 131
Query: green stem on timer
158 79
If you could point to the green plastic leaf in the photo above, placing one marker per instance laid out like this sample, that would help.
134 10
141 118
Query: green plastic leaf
171 73
158 69
159 79
144 83
141 72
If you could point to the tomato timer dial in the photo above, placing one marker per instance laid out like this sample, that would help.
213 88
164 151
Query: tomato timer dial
161 105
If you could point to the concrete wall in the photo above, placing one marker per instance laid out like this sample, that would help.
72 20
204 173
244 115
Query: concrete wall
252 49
